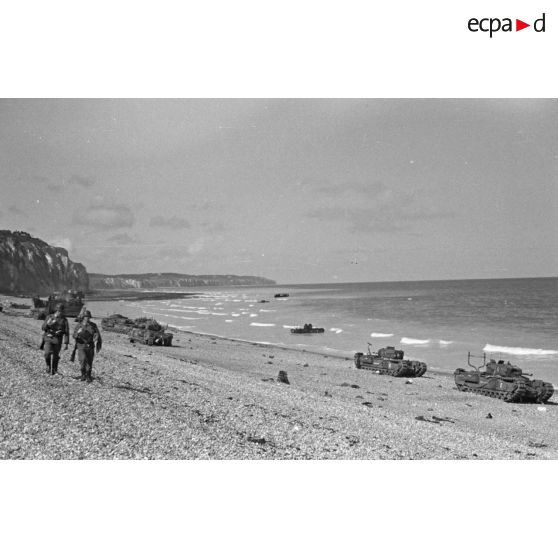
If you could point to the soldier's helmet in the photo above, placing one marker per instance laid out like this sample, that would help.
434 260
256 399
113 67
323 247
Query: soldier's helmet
86 314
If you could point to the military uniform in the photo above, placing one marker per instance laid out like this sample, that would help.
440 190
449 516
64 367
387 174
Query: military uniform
56 330
87 338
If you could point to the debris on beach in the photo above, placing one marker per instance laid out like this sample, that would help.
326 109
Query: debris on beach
367 403
489 416
256 440
543 409
282 377
537 445
327 394
444 419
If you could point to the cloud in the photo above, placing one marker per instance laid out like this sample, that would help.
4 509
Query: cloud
83 181
16 211
383 210
214 227
105 215
169 222
61 243
122 238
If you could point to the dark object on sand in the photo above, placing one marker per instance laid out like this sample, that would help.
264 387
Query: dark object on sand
489 415
262 301
72 301
390 361
307 328
117 323
17 306
503 381
281 295
283 378
150 332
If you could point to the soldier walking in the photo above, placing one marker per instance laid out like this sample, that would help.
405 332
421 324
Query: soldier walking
56 330
88 338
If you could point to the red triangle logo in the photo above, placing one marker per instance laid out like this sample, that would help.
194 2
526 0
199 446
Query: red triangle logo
519 25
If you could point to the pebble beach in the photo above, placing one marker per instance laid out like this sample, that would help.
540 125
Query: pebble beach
213 398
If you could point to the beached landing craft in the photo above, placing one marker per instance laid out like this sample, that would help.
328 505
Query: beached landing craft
390 361
503 381
307 328
72 301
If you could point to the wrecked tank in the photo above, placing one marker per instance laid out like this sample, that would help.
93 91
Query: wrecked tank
150 332
502 380
72 301
307 328
117 323
390 361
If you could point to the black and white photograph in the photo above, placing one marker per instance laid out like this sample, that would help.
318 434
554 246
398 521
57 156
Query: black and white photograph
279 279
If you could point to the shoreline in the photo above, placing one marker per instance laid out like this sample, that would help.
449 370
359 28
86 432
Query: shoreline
213 398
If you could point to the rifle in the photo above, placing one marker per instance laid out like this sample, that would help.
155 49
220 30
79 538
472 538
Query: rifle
73 355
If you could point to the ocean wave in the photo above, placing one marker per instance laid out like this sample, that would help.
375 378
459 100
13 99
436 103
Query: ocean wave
258 324
518 350
263 310
335 329
442 342
235 315
229 321
289 326
374 334
411 341
253 315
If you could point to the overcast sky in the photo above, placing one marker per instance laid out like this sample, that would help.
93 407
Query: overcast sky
293 190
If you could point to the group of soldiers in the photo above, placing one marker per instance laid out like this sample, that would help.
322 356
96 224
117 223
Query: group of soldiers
57 333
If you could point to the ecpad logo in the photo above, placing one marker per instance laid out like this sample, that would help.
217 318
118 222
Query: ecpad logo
492 25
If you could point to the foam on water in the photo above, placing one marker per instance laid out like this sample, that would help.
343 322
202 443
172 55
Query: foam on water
518 350
442 342
257 324
411 341
335 329
374 334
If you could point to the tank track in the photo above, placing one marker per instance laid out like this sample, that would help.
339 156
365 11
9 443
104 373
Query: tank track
545 391
515 396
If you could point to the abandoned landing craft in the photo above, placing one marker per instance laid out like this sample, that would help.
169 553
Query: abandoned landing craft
503 381
389 360
72 301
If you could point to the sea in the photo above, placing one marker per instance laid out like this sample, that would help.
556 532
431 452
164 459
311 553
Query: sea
438 322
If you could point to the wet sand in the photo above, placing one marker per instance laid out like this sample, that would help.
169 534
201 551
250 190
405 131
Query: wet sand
212 398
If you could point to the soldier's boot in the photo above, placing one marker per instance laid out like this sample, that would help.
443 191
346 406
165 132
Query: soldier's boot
48 364
88 377
54 369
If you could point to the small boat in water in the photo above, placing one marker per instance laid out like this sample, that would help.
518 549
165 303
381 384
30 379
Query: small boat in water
307 328
281 295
